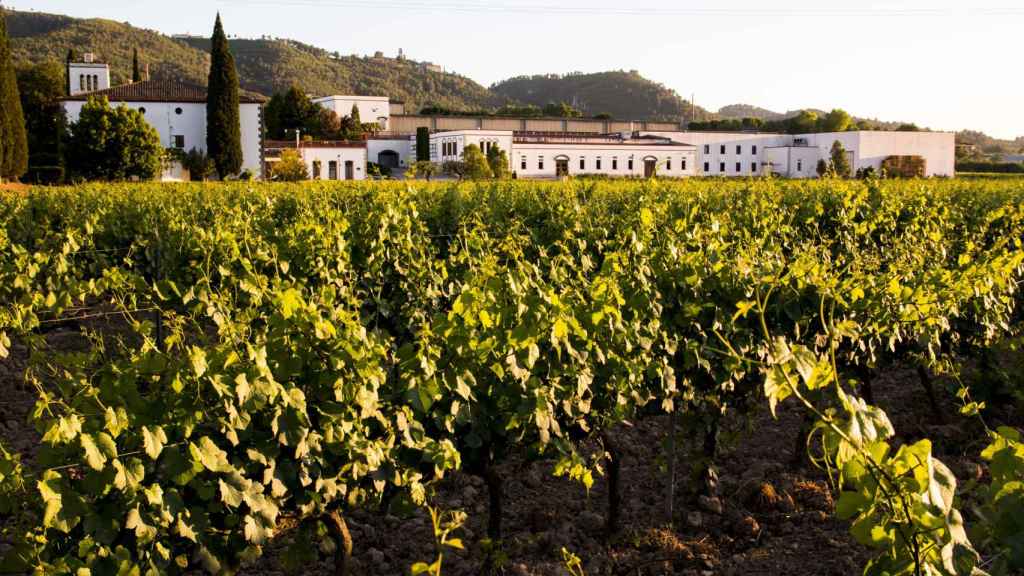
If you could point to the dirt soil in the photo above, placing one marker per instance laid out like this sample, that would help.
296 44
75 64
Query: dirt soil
771 517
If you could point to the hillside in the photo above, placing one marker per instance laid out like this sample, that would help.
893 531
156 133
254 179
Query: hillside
264 65
626 95
740 111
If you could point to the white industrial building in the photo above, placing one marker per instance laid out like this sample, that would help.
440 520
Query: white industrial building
324 160
797 156
176 110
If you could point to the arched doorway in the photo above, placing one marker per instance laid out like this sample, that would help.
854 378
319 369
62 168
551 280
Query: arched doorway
561 166
388 159
650 167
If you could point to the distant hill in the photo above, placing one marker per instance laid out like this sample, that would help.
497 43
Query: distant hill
625 95
741 111
264 65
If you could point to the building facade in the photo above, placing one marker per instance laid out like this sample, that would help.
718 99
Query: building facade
560 154
178 113
324 160
371 108
747 154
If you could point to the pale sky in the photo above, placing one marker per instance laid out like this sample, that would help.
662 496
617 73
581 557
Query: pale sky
942 64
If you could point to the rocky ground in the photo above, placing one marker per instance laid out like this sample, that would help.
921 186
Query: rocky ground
770 517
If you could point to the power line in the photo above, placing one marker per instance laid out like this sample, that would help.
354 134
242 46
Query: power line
501 8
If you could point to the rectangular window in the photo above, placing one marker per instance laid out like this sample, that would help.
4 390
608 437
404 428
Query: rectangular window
316 169
722 149
683 165
332 170
707 167
615 163
707 148
524 162
753 166
753 149
583 163
738 167
631 164
739 149
721 166
668 164
799 165
598 163
540 163
179 141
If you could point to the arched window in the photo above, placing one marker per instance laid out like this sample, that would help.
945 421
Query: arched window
95 82
81 82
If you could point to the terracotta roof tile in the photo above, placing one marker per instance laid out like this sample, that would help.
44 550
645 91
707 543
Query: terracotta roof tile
159 91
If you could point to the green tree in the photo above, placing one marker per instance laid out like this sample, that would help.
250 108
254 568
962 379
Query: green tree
352 125
136 72
223 125
200 167
805 122
41 86
113 144
423 144
822 168
422 168
293 110
497 159
290 168
840 165
13 138
561 110
477 167
837 120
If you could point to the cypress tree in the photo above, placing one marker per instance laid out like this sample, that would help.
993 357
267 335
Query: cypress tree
423 144
223 126
67 70
136 73
13 138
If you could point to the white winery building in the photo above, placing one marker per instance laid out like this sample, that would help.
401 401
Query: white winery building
176 110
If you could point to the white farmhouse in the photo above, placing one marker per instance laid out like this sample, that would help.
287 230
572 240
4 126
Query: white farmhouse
324 160
557 154
178 112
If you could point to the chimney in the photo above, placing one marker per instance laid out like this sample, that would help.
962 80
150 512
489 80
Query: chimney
88 57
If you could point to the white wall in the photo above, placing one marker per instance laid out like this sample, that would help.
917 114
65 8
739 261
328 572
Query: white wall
867 149
793 161
614 159
188 120
713 161
355 155
403 146
462 138
371 108
78 73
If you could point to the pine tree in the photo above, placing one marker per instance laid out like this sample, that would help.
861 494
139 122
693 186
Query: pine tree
355 131
223 125
13 138
136 73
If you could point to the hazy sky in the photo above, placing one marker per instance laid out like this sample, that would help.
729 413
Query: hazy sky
943 64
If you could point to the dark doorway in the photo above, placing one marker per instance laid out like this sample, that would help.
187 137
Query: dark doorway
650 167
388 159
561 167
350 168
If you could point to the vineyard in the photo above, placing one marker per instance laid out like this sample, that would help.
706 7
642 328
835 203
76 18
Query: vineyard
263 378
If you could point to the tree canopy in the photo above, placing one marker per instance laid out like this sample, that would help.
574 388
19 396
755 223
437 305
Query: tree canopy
113 144
41 86
223 125
13 137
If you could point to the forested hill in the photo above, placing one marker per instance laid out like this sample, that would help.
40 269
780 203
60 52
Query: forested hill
264 66
626 95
